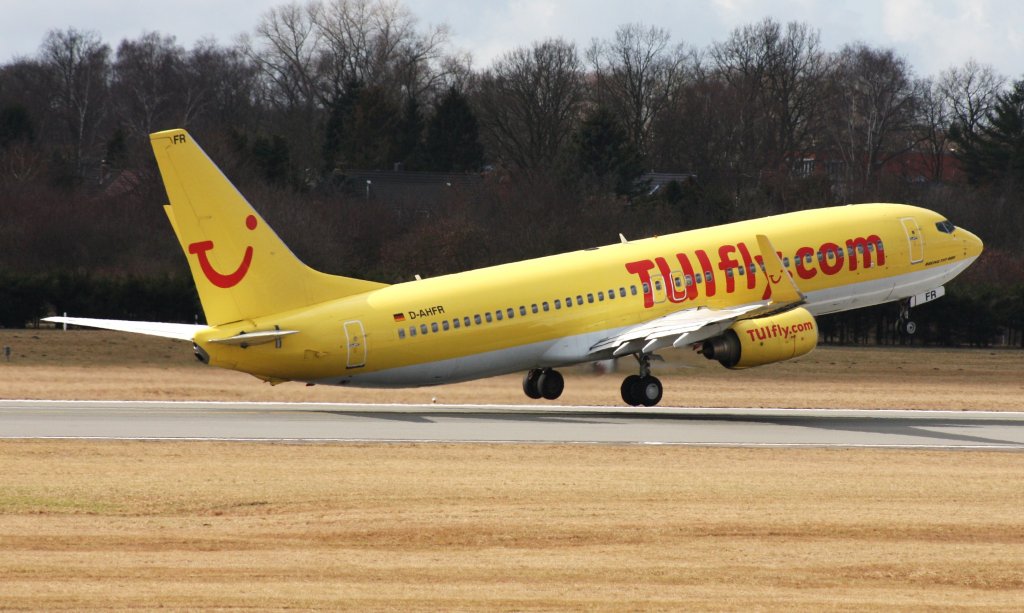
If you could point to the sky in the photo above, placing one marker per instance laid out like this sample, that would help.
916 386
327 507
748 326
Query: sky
931 35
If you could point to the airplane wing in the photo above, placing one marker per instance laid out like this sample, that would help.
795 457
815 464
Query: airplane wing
693 325
675 329
183 332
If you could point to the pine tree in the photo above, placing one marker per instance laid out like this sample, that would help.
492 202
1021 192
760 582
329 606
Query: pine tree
453 136
995 152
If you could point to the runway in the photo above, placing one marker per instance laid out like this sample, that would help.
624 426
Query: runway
20 419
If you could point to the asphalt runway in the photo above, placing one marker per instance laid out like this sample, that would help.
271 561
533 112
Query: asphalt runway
509 424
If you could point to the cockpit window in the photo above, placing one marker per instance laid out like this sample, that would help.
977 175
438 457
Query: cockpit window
945 226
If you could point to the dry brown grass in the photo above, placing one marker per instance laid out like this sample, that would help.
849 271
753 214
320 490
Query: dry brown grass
103 365
91 525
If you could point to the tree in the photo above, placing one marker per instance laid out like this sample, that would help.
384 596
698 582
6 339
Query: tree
78 67
994 154
636 74
530 103
453 136
872 99
605 156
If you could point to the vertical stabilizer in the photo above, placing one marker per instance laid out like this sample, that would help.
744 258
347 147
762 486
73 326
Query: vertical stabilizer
241 268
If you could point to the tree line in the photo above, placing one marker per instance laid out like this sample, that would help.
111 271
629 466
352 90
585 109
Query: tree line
560 137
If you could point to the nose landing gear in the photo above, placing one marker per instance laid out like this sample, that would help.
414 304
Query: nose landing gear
643 389
904 325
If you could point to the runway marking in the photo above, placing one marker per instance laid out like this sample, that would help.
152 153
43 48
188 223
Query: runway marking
363 441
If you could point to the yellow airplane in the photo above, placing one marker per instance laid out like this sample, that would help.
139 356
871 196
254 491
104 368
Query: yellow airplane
744 294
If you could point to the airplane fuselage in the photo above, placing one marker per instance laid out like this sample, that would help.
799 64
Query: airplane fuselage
551 311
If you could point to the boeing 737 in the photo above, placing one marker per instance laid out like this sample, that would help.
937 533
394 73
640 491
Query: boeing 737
744 294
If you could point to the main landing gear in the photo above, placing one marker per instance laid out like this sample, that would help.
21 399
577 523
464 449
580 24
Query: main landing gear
642 389
544 383
904 325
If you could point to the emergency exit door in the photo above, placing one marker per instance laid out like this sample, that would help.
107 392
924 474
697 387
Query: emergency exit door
355 344
914 238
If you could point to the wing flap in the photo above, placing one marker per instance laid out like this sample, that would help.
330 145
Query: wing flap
247 339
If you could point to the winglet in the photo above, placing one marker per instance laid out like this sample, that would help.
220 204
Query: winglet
783 288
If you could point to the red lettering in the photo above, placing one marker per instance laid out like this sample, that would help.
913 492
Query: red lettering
643 269
745 254
836 264
865 246
709 279
801 257
688 280
726 263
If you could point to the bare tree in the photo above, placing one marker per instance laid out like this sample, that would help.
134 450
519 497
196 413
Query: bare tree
777 73
873 99
636 75
530 102
970 92
148 78
78 66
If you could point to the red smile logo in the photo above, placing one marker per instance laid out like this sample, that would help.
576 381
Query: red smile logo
221 280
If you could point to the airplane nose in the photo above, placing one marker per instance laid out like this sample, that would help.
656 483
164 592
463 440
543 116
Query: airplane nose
972 244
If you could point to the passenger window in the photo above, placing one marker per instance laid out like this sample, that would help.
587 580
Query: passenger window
708 277
545 306
510 312
677 280
433 327
728 272
611 294
600 296
568 302
657 284
821 256
699 278
558 304
487 317
522 311
423 328
742 270
498 315
689 280
533 307
476 318
590 298
444 325
412 330
401 333
579 300
466 321
622 292
455 323
785 261
753 269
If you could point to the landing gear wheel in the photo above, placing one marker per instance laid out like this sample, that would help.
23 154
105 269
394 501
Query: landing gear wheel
628 384
905 327
649 391
641 391
550 384
530 387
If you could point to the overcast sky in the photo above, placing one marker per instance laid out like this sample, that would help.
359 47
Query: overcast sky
932 35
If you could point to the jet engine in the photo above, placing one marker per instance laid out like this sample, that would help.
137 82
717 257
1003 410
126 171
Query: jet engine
753 342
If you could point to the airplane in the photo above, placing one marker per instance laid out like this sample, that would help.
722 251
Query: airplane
744 294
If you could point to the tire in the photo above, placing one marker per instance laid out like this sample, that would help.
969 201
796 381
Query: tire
550 384
649 391
909 328
530 387
627 389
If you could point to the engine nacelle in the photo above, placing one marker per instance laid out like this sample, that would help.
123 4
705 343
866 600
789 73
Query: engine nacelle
753 342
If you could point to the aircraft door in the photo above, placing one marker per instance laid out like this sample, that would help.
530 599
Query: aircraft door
658 288
914 238
355 344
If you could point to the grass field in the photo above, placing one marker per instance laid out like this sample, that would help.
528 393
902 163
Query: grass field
103 365
89 525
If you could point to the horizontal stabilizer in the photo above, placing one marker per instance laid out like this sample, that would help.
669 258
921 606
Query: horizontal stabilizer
183 332
247 339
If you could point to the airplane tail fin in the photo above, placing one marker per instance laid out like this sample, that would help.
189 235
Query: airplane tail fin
241 268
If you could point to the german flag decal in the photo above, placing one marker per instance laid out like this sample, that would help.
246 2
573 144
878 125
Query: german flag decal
399 316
